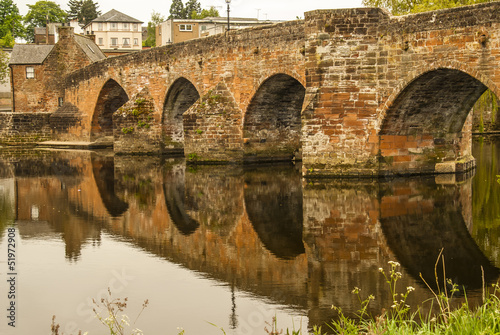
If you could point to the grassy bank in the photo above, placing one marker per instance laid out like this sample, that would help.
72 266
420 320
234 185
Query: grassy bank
397 318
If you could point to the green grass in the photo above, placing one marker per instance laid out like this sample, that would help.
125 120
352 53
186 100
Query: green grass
397 319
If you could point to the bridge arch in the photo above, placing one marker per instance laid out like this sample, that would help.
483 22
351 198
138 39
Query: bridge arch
181 95
111 97
441 75
272 121
423 125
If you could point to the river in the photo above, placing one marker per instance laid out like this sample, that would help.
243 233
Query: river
229 247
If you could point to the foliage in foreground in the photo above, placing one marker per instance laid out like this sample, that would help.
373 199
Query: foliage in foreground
401 7
396 319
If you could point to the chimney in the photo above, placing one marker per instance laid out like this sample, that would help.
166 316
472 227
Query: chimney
91 36
65 32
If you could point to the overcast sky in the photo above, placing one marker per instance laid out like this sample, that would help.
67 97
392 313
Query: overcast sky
266 9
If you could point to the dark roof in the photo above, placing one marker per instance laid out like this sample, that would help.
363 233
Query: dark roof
116 16
93 52
30 53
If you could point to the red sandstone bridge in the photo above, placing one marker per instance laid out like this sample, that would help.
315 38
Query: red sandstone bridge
350 92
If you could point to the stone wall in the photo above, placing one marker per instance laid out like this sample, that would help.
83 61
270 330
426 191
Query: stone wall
135 131
19 128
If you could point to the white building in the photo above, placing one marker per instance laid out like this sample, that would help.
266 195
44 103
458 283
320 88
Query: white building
116 32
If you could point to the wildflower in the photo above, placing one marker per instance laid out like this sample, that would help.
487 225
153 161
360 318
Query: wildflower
410 289
380 270
394 264
355 291
125 320
371 297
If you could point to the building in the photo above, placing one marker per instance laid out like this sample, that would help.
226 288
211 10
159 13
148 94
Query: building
37 70
180 30
48 35
116 33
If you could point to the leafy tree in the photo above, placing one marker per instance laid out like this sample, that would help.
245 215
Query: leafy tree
156 19
212 12
83 10
193 8
4 66
177 10
10 23
38 15
401 7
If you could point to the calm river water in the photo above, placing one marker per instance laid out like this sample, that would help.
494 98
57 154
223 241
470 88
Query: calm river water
228 245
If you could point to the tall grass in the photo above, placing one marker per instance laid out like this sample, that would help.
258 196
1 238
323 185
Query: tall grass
397 319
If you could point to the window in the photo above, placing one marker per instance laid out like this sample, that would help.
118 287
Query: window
114 41
99 26
101 41
185 27
203 28
125 26
126 42
136 27
30 72
60 101
114 26
136 41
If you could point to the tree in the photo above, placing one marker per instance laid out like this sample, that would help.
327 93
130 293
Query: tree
83 10
4 66
212 12
401 7
88 12
156 19
74 8
177 10
39 14
193 8
10 23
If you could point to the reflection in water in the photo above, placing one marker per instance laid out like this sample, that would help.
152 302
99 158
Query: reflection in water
432 220
258 232
104 170
273 200
177 203
486 199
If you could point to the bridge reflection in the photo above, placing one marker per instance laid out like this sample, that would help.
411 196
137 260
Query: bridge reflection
259 230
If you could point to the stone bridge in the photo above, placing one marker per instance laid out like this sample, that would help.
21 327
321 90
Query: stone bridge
351 92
